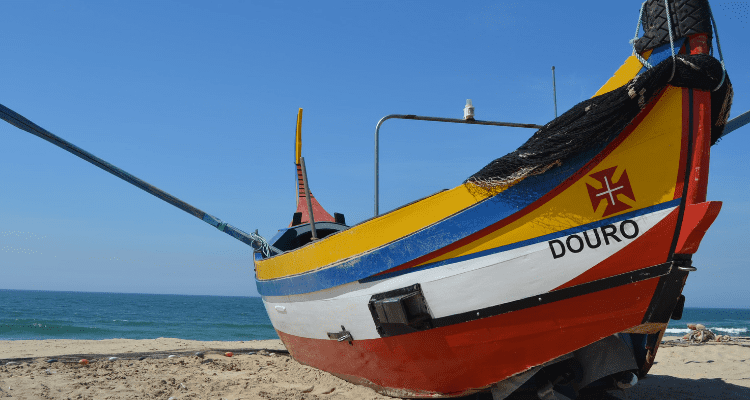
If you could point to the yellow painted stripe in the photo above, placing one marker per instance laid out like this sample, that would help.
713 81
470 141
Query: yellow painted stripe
651 157
298 138
370 234
399 223
624 74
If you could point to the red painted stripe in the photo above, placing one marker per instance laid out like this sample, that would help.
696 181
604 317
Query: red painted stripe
698 218
539 202
699 43
698 182
650 248
683 144
320 214
455 359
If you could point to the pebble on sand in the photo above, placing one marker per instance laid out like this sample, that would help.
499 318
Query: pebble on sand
229 354
83 361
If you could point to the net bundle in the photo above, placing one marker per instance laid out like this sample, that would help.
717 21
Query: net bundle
595 122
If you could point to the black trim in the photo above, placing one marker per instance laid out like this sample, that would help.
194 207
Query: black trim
297 219
679 308
558 295
669 288
407 305
297 236
339 218
666 296
686 182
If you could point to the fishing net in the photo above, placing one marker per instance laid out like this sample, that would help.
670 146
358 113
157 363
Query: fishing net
597 121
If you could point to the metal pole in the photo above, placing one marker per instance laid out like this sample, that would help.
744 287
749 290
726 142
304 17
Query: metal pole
554 89
13 118
377 162
736 122
309 202
435 119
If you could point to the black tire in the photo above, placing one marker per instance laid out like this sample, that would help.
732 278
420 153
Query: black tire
688 18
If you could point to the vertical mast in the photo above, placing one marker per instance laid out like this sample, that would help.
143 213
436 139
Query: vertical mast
298 141
319 213
554 90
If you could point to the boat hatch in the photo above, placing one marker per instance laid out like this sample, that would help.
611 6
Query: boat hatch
300 235
400 311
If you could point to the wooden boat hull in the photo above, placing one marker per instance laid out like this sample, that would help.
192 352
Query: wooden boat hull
516 292
460 291
467 357
496 317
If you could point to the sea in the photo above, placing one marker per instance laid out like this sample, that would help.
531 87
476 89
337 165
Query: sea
29 314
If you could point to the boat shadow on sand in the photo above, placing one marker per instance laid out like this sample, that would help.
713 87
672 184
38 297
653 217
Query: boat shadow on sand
656 387
669 387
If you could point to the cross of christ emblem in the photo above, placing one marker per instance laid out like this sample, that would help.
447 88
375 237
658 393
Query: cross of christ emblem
609 191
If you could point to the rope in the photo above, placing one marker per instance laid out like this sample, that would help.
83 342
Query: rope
251 239
635 38
264 247
718 45
671 39
700 336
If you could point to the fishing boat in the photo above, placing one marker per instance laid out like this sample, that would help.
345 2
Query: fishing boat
554 270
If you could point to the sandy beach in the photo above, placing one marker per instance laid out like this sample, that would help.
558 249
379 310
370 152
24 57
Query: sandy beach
263 370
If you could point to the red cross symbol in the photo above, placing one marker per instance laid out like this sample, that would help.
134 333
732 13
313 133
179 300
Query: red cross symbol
609 191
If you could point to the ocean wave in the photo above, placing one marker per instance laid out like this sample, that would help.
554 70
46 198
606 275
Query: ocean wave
49 330
730 330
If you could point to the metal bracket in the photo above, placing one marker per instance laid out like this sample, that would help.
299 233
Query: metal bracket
400 311
342 336
684 265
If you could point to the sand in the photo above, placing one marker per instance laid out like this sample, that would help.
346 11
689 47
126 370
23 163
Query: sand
267 373
263 370
692 372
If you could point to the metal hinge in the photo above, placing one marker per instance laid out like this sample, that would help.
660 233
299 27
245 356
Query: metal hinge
342 336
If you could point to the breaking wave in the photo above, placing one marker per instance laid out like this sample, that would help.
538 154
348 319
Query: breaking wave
729 331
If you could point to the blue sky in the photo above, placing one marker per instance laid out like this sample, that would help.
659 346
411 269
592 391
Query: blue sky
200 100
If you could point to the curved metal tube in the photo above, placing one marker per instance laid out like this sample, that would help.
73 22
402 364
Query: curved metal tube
436 119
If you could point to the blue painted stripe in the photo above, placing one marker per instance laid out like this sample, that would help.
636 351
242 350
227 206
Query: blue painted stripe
529 242
443 233
431 238
663 52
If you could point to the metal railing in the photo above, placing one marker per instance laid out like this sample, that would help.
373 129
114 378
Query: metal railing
435 119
